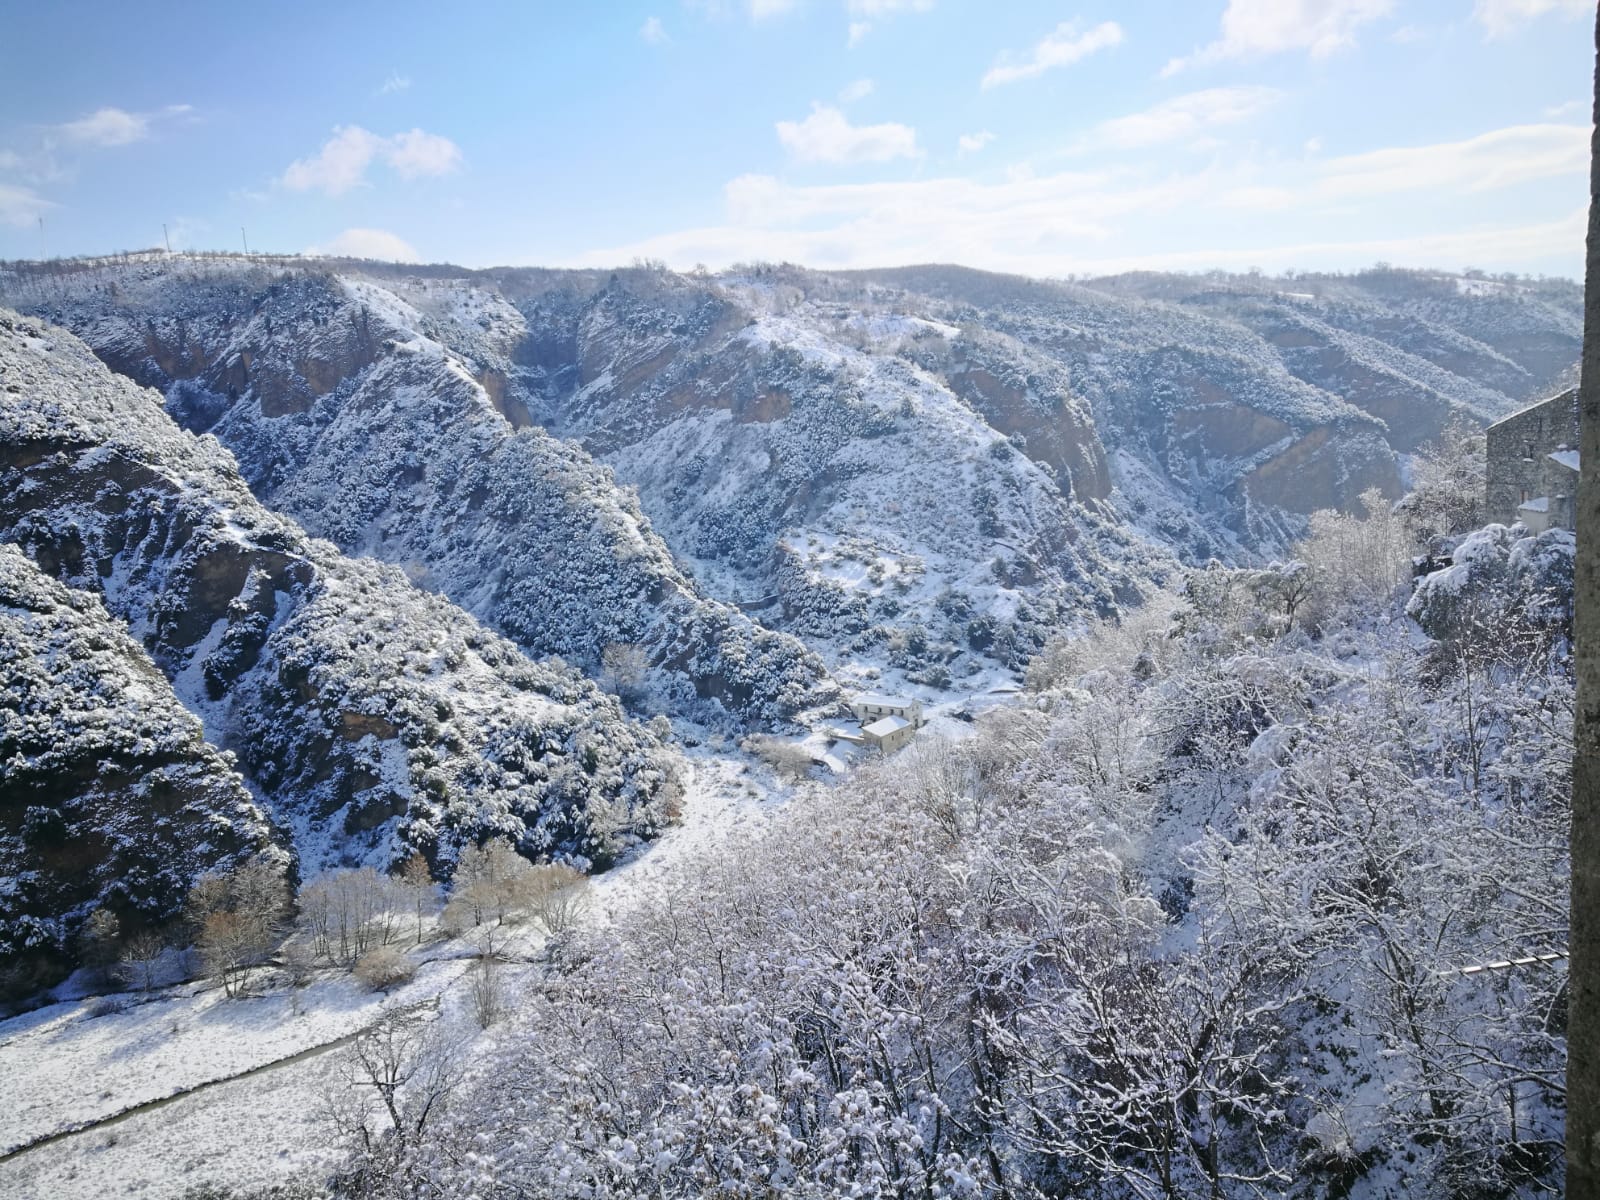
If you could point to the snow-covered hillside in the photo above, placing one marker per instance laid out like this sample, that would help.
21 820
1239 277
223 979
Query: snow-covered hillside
374 424
925 470
370 717
1208 908
110 798
1232 405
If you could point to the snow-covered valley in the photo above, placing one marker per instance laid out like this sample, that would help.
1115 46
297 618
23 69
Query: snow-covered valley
517 615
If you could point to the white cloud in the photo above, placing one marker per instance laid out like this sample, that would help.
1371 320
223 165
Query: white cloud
368 243
343 161
859 90
1572 108
1062 47
761 10
108 127
20 206
1510 247
340 165
1184 116
116 126
826 136
1150 214
652 31
1499 158
395 83
858 33
1254 28
417 153
971 143
1500 17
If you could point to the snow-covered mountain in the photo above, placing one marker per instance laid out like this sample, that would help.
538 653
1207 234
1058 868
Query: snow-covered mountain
110 796
370 717
351 411
1230 406
749 485
923 470
338 561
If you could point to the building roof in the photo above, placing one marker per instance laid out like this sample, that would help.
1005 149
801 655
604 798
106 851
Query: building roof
877 701
884 726
1567 458
1570 395
1538 504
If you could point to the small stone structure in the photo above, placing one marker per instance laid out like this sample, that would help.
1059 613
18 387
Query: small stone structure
869 708
889 733
885 722
1532 466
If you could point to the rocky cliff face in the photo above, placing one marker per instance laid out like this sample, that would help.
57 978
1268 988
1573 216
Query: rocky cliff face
1231 406
110 797
373 718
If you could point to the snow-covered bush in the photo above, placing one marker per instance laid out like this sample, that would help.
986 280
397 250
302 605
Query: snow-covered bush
383 967
1506 590
1356 562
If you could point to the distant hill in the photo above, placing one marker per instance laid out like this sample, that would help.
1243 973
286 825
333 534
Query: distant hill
928 469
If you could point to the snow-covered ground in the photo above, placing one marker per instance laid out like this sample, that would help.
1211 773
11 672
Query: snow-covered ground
725 794
65 1066
247 1076
189 1087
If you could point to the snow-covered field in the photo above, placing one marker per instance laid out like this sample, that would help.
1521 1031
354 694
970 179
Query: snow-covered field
247 1077
190 1037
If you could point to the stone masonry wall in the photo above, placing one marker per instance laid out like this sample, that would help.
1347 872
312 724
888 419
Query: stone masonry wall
1519 466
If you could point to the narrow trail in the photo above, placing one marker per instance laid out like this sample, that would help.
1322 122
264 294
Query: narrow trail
195 1089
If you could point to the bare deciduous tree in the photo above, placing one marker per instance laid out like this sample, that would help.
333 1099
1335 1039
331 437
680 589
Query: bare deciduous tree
240 916
345 913
140 964
487 1001
485 885
416 880
395 1082
554 894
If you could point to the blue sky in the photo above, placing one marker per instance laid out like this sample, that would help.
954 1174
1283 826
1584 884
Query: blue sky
1043 138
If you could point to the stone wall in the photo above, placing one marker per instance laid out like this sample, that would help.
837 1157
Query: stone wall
1519 463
